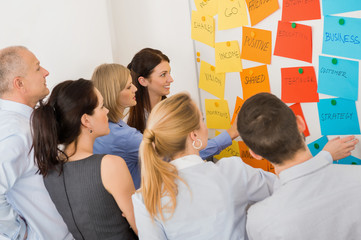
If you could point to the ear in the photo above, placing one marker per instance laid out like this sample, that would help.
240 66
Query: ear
85 120
300 123
193 136
256 156
143 81
18 83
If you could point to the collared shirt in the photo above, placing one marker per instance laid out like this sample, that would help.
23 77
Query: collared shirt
124 141
22 191
316 200
213 203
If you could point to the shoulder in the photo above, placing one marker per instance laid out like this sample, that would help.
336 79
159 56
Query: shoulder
113 161
231 164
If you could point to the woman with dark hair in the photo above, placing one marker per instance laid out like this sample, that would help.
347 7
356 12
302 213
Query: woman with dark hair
150 71
92 192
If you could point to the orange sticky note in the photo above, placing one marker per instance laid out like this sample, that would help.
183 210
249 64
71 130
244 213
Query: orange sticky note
299 84
300 10
232 14
237 108
228 57
297 110
294 42
208 7
260 9
256 45
254 80
248 159
202 28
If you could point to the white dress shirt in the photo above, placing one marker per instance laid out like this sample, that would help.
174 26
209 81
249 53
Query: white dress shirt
22 191
316 200
214 205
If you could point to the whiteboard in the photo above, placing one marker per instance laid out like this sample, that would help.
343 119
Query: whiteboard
233 86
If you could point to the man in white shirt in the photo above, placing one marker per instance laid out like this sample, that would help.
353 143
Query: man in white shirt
26 210
315 198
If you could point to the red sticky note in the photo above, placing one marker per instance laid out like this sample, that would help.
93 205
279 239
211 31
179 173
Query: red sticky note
301 10
294 42
299 84
297 110
239 103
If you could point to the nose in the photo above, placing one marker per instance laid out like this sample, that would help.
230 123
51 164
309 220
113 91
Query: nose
170 79
46 73
134 88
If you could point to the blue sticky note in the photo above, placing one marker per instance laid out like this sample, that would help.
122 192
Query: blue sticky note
338 6
349 160
342 36
317 146
338 77
338 116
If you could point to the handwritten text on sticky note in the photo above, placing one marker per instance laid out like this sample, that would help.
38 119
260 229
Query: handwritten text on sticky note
202 28
211 81
231 14
257 45
217 114
255 80
228 57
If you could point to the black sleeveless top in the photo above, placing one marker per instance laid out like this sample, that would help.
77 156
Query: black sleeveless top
89 211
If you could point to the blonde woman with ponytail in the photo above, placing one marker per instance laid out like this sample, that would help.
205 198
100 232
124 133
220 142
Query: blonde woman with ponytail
183 197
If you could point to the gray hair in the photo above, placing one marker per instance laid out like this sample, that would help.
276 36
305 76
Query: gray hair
12 65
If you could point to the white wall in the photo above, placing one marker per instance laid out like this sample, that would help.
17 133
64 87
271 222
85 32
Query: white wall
70 38
160 24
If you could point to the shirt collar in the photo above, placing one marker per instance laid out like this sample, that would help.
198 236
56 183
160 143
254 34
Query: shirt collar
12 106
187 161
321 160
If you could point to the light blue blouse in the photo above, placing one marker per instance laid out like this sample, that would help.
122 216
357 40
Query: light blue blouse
124 141
212 206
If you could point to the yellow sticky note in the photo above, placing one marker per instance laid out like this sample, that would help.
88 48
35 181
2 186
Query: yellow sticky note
257 45
217 114
230 151
202 28
254 80
237 107
228 57
211 81
208 7
259 10
232 14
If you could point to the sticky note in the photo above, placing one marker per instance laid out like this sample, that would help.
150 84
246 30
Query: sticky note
230 151
338 116
260 9
231 14
297 110
338 6
342 37
257 45
255 80
237 107
217 114
317 146
202 28
211 81
338 77
301 10
228 57
248 159
299 84
207 7
295 43
351 160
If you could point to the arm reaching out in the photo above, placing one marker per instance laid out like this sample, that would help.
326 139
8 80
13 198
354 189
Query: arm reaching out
341 147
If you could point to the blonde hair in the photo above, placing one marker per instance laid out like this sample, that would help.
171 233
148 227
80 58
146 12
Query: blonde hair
110 80
166 133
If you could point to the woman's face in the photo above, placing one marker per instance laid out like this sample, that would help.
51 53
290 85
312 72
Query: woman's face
159 81
126 97
99 118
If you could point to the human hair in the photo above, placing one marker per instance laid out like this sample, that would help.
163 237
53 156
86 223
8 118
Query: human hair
110 80
12 65
269 128
142 65
168 126
58 121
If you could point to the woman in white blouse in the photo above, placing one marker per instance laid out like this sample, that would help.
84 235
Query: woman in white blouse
183 197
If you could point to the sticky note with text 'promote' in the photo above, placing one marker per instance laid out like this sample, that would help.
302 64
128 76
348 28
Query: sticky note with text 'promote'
254 80
294 41
228 57
257 45
202 28
211 81
232 14
217 114
299 84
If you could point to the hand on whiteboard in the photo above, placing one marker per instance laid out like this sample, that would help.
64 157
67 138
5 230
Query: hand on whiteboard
232 131
341 147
